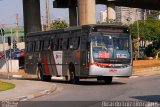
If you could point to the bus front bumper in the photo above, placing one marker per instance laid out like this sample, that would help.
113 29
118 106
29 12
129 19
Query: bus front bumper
100 71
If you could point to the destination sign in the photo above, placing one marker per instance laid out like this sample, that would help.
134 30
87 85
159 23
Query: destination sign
111 29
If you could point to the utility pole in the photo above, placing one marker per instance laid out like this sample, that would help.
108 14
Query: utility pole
42 23
48 19
137 30
17 28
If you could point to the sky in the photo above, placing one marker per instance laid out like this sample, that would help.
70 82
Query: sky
9 9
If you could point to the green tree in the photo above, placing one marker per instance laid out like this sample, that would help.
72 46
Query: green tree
149 30
111 21
59 24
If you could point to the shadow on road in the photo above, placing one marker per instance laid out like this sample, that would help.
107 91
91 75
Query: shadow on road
34 79
88 82
84 82
148 98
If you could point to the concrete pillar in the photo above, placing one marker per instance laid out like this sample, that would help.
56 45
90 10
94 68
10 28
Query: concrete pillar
32 17
73 16
111 14
86 12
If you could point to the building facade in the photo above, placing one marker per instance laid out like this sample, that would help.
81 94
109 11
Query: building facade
127 15
103 16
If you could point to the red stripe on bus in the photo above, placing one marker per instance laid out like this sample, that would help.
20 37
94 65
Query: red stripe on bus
46 68
99 64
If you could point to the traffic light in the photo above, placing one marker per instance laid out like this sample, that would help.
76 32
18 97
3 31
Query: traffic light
14 44
9 41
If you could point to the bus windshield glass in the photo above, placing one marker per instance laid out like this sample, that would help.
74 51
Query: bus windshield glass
113 47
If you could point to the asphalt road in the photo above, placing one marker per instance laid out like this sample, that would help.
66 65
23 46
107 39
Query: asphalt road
90 93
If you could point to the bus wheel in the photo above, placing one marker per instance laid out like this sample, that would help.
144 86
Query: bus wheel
108 80
72 77
40 73
100 78
41 76
68 76
47 78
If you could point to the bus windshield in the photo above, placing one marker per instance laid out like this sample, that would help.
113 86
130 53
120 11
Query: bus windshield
113 47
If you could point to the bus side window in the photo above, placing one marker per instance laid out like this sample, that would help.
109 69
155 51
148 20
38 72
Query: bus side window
46 45
55 43
71 43
65 43
49 45
74 42
29 48
37 46
84 42
60 43
33 46
42 44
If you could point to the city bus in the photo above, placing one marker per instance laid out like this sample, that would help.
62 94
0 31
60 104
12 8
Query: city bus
88 51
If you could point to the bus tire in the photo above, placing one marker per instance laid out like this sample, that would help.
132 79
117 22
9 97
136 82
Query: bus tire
68 76
99 78
40 73
108 79
41 76
72 75
47 78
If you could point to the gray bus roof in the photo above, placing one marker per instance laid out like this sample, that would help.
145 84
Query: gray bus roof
73 28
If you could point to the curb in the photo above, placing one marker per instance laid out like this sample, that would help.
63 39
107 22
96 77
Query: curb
133 76
35 95
17 76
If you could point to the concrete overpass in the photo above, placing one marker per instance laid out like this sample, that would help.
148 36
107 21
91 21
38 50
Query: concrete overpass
146 4
83 10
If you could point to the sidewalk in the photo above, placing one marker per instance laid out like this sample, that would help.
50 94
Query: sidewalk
26 89
146 67
146 71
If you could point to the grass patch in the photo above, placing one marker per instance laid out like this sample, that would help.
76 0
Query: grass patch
5 86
